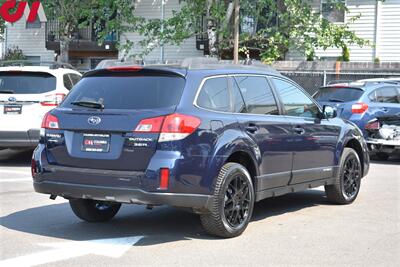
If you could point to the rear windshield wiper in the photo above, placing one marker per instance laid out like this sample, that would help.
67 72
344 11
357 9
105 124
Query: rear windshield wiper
88 104
6 92
336 100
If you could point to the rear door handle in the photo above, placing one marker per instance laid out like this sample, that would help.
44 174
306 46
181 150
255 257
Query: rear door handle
385 110
299 130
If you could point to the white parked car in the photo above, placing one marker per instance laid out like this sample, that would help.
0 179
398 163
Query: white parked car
27 93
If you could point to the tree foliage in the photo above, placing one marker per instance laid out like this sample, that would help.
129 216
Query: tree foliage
106 17
14 53
272 27
269 28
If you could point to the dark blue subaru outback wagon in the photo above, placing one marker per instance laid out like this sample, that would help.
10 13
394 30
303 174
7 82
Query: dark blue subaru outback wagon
212 138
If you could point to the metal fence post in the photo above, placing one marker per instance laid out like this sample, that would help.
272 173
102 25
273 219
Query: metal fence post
324 79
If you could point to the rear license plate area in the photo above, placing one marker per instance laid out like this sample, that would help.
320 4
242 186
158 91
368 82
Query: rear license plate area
99 143
12 109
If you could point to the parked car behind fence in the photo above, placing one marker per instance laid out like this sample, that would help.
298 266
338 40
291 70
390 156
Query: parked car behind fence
373 105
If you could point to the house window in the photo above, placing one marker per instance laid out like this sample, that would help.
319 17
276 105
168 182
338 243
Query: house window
332 12
37 24
33 58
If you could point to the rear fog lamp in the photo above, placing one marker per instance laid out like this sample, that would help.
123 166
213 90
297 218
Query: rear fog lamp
164 178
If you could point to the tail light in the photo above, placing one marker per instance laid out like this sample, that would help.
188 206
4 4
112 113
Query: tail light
152 125
164 179
125 68
33 167
359 108
53 100
373 125
50 122
171 128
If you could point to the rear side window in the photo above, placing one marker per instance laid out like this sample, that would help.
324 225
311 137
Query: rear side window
67 82
338 94
214 95
75 78
128 92
26 82
385 95
257 95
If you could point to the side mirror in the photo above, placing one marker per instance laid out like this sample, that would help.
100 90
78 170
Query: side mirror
329 112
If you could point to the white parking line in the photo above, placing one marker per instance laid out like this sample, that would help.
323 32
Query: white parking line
113 247
14 172
17 180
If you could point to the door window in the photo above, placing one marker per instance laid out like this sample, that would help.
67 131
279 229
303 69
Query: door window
385 95
257 95
295 101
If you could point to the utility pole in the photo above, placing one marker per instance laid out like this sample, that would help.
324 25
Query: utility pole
236 33
162 31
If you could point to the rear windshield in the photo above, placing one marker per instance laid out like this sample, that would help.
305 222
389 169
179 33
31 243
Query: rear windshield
26 82
127 92
336 94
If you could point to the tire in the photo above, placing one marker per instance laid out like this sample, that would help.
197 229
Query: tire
94 211
348 181
233 202
382 156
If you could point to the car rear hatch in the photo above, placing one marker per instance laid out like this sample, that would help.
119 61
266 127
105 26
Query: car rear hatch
24 99
341 97
117 133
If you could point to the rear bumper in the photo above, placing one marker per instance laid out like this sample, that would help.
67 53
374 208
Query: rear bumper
123 195
20 139
383 146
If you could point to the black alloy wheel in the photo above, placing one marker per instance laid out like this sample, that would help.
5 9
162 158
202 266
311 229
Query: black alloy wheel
351 177
237 202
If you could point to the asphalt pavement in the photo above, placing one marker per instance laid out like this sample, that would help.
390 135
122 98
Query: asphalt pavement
301 229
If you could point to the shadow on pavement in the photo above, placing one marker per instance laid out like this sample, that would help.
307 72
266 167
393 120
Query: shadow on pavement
390 161
161 225
15 158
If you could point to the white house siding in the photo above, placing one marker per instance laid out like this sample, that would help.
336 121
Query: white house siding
31 41
363 27
1 49
389 31
152 9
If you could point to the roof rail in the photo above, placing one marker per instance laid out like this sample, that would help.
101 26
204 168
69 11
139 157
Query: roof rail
207 62
189 63
383 81
23 63
198 61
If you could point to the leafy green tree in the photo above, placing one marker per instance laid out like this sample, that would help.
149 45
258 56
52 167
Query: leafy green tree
106 17
270 28
115 16
14 53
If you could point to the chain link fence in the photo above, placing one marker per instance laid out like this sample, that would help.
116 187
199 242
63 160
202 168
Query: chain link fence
313 80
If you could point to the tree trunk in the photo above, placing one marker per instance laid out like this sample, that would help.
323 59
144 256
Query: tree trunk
236 32
211 31
64 50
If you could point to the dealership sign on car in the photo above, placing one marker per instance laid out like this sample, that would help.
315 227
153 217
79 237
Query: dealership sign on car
12 11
